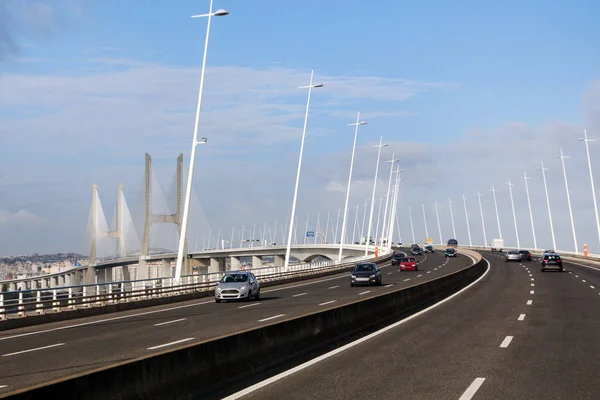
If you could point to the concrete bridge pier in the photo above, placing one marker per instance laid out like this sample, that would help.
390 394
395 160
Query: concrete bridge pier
257 262
234 263
279 261
217 264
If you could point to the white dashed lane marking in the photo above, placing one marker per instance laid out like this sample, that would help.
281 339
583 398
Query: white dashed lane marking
521 317
472 389
299 294
529 302
506 341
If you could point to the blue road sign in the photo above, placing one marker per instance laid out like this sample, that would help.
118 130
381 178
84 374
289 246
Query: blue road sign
310 233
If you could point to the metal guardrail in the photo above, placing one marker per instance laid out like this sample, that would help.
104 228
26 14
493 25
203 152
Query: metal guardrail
21 303
590 256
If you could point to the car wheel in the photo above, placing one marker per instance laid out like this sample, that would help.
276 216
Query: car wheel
352 285
249 296
562 270
217 300
543 269
416 268
257 295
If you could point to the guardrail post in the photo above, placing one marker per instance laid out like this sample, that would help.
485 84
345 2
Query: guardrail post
97 287
70 298
54 302
2 314
21 308
38 302
84 299
110 290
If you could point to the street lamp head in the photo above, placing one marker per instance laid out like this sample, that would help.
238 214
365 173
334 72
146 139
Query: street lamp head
218 13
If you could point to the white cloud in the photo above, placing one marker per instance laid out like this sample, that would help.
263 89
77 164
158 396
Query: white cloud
17 217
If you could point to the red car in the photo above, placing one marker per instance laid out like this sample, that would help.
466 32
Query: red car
409 264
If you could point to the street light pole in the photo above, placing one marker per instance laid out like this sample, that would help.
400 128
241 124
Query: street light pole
452 217
378 221
562 160
195 143
425 222
369 232
337 225
387 198
586 140
512 202
412 228
525 178
362 226
394 208
318 226
482 219
543 169
306 227
437 214
356 124
494 190
292 219
464 199
327 226
355 221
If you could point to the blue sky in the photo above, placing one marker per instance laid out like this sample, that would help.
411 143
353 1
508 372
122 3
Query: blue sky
93 85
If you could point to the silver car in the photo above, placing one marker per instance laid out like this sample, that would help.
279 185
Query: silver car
513 256
237 285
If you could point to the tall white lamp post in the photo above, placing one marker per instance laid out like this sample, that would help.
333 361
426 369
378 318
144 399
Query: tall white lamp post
425 222
195 142
482 219
586 140
494 190
387 198
512 203
369 233
452 217
310 87
464 199
412 228
437 214
562 160
356 125
526 178
544 169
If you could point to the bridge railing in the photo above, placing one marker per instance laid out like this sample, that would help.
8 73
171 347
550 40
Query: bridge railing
572 254
22 303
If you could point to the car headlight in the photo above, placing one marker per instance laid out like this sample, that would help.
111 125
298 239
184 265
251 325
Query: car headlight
372 276
353 276
243 288
218 289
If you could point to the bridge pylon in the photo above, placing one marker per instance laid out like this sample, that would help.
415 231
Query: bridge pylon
118 233
152 218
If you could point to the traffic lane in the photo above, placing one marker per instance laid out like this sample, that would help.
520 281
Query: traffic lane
585 274
89 347
558 358
436 355
127 320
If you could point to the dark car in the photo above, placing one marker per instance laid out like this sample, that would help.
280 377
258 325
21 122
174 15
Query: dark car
366 274
524 255
428 248
552 260
397 258
416 251
450 252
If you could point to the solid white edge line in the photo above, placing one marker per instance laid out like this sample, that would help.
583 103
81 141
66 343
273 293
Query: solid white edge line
325 356
472 389
170 344
170 322
327 302
521 317
30 350
300 294
506 342
582 265
270 318
249 305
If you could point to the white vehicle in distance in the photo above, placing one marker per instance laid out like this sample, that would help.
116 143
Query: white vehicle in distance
497 244
237 285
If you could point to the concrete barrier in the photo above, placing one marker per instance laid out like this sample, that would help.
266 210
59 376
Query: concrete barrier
66 315
200 370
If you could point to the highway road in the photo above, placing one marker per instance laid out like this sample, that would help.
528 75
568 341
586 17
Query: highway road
39 354
517 333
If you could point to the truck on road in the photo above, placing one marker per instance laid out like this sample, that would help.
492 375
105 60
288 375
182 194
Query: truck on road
497 244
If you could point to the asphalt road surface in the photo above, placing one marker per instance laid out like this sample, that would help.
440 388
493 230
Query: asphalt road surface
518 333
39 354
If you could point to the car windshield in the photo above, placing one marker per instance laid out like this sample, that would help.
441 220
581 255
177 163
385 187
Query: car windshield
523 251
232 278
397 256
513 252
408 259
364 268
449 250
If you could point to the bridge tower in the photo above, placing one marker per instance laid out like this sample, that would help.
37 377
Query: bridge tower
151 218
118 233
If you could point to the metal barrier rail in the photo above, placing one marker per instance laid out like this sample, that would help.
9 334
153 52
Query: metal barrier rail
39 301
590 256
